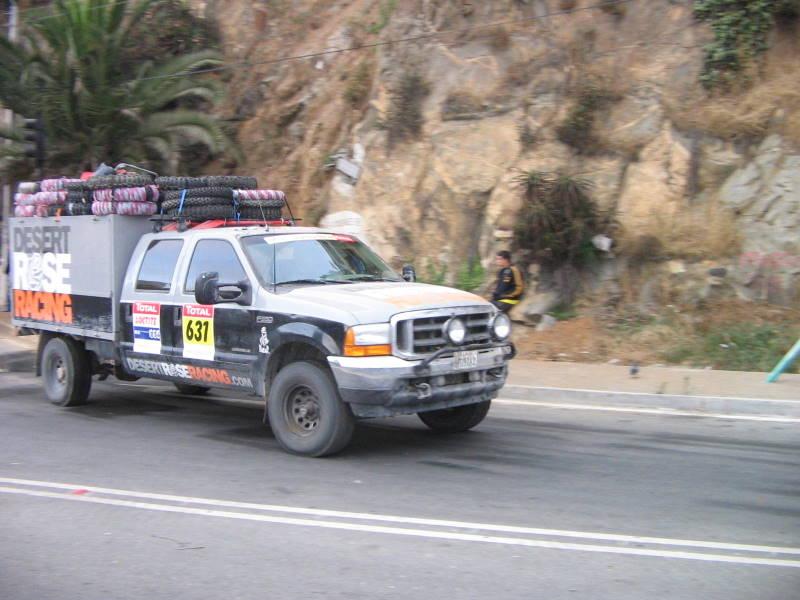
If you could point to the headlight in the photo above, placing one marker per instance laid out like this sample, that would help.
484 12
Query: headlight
455 331
368 340
501 326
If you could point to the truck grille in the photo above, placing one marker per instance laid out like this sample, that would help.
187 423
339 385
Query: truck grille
424 335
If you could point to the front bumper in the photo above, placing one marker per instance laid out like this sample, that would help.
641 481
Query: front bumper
381 386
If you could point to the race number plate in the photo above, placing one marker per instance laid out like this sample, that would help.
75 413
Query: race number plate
198 331
465 360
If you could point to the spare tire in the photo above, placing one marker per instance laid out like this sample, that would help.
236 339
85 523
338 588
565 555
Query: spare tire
173 203
225 211
222 193
217 181
117 181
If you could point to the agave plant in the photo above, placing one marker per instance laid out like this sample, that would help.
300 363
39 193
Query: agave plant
558 218
69 69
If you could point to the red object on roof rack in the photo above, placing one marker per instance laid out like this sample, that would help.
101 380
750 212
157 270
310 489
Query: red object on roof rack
216 223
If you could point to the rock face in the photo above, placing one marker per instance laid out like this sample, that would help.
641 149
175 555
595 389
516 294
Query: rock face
765 194
494 105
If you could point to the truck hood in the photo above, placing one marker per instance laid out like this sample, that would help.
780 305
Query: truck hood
378 302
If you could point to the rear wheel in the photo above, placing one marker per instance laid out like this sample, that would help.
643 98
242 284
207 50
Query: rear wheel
66 372
455 420
196 390
306 413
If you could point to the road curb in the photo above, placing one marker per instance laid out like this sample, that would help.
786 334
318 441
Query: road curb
700 404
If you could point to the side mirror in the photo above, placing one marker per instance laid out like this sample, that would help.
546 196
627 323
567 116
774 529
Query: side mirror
409 274
205 288
208 290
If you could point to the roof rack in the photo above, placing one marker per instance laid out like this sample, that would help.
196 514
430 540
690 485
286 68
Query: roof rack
175 223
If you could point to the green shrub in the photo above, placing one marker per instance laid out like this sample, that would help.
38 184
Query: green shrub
433 275
577 129
470 276
558 218
740 28
385 9
404 119
358 85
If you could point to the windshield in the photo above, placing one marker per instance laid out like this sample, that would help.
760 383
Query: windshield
314 259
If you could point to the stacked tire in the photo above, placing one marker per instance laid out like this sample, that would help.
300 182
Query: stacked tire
129 194
191 198
219 197
41 199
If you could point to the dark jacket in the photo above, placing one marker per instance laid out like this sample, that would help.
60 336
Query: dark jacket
509 284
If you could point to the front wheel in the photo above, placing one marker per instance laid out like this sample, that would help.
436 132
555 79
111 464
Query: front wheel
456 420
66 372
306 413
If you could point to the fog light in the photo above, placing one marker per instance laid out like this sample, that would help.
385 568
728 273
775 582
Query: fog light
455 331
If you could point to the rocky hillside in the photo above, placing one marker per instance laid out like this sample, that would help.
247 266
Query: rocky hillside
448 101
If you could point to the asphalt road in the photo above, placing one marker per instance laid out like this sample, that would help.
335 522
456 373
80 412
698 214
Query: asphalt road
147 494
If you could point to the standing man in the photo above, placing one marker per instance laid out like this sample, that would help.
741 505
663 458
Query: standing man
508 289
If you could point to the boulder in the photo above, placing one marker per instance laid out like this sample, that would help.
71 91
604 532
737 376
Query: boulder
532 307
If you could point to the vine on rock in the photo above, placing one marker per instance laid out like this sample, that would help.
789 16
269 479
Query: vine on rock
741 29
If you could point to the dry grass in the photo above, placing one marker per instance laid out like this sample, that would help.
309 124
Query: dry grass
499 38
461 103
747 115
698 233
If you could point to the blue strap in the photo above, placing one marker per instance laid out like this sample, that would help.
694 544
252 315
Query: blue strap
236 212
183 197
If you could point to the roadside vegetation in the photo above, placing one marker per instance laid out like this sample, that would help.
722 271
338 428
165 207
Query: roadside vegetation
96 75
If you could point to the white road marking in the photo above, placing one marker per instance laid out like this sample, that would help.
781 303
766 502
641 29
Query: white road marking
662 412
321 515
626 393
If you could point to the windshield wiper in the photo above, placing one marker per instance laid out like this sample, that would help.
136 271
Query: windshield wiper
322 281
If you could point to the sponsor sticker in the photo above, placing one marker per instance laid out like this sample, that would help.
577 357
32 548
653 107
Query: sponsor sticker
147 327
188 372
198 331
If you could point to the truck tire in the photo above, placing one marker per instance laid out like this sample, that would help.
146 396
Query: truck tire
208 192
191 390
456 420
229 181
66 372
225 211
306 413
117 181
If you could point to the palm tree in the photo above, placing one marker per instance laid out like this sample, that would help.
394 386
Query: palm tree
68 69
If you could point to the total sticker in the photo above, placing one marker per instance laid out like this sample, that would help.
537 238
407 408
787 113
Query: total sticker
198 331
147 327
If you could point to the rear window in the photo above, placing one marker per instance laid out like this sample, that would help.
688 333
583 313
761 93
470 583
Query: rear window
158 266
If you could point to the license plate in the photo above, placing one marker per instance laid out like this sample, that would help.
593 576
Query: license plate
465 360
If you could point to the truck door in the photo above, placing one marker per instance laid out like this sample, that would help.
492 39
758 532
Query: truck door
223 333
148 308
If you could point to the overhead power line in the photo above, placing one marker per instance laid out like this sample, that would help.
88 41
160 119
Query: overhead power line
378 44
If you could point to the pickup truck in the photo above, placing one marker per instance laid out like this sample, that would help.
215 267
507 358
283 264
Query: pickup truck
311 320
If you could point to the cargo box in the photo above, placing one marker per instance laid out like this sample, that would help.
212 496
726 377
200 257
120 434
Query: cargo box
67 272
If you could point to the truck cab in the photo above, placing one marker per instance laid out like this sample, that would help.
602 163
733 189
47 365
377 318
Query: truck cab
311 320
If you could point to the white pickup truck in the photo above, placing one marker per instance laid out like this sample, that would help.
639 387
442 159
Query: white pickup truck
311 320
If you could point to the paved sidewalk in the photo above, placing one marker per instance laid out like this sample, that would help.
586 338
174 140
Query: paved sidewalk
670 381
548 382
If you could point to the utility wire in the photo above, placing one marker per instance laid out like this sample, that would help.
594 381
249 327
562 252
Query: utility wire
405 40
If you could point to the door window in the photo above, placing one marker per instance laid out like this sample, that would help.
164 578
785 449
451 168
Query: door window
158 266
214 256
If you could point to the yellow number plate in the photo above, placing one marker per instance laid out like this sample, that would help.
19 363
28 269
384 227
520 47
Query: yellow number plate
198 331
